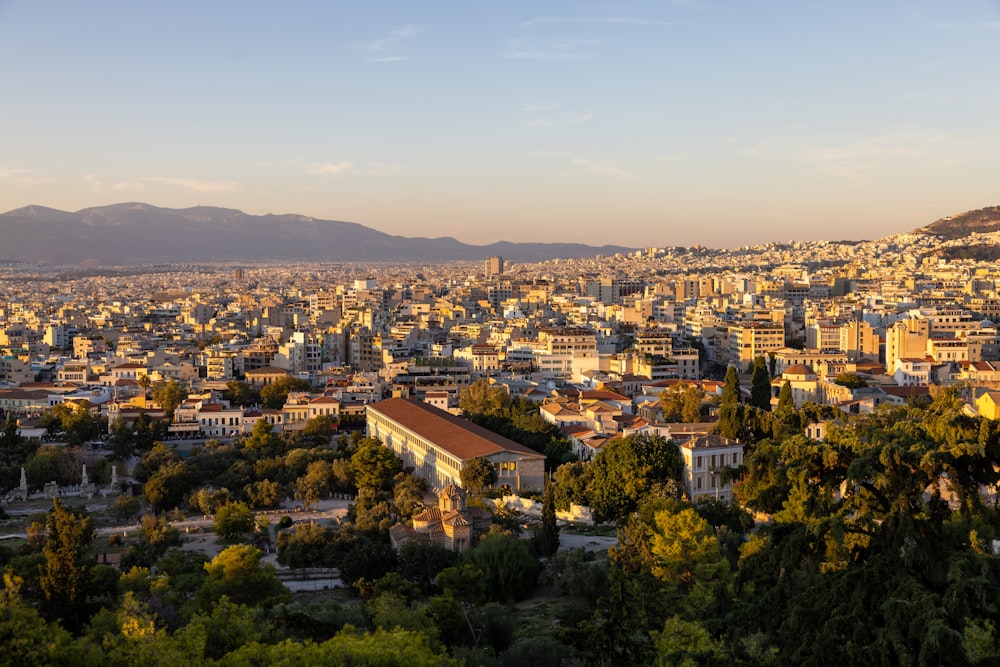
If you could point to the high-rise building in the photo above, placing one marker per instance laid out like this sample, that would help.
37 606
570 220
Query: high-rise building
494 266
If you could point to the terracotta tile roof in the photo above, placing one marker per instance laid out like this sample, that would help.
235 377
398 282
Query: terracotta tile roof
459 437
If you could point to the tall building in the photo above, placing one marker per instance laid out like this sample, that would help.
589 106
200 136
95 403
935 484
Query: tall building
493 266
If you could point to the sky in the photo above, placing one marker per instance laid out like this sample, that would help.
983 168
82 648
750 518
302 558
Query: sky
641 124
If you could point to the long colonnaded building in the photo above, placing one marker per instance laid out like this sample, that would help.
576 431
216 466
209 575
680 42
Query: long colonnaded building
437 444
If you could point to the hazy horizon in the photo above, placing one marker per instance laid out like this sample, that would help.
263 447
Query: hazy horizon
679 123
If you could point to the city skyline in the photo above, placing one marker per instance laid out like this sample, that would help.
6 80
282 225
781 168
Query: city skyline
642 125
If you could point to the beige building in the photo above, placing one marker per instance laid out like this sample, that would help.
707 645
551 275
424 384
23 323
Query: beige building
438 445
749 340
705 456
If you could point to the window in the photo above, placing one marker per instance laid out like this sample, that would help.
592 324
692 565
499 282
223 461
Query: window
698 464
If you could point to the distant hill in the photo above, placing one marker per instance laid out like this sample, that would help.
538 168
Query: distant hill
134 233
961 225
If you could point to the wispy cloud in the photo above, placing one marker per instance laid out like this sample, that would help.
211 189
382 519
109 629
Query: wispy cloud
380 169
619 20
561 119
558 50
22 177
384 49
195 184
97 185
329 167
603 169
548 114
9 172
854 158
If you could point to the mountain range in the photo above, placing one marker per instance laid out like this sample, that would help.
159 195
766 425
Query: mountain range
134 233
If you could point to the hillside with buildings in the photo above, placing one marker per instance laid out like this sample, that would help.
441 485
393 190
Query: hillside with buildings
829 410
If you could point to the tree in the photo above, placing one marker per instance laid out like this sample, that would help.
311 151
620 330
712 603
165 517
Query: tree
408 493
731 388
265 494
478 474
63 577
275 394
313 485
240 393
685 550
125 507
760 386
238 573
421 561
374 465
79 425
850 380
785 402
548 536
169 395
121 439
571 485
234 521
168 486
263 440
691 400
509 570
481 398
628 469
672 405
318 432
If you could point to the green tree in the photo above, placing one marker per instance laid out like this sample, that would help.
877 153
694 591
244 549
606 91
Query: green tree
509 570
238 573
374 466
478 474
691 401
571 485
408 493
79 425
850 380
234 521
760 386
275 394
240 393
481 398
684 549
548 535
169 395
265 494
121 439
629 469
263 441
313 485
168 486
785 402
421 561
64 575
731 388
318 432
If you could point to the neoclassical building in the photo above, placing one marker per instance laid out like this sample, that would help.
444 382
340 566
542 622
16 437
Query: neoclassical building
437 444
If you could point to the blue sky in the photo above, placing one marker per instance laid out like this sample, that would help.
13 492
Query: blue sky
644 123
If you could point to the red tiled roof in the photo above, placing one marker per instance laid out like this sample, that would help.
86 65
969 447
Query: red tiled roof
459 437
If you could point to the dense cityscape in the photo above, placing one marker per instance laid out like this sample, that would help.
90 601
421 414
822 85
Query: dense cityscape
778 454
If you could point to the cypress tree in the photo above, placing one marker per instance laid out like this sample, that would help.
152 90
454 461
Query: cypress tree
760 386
